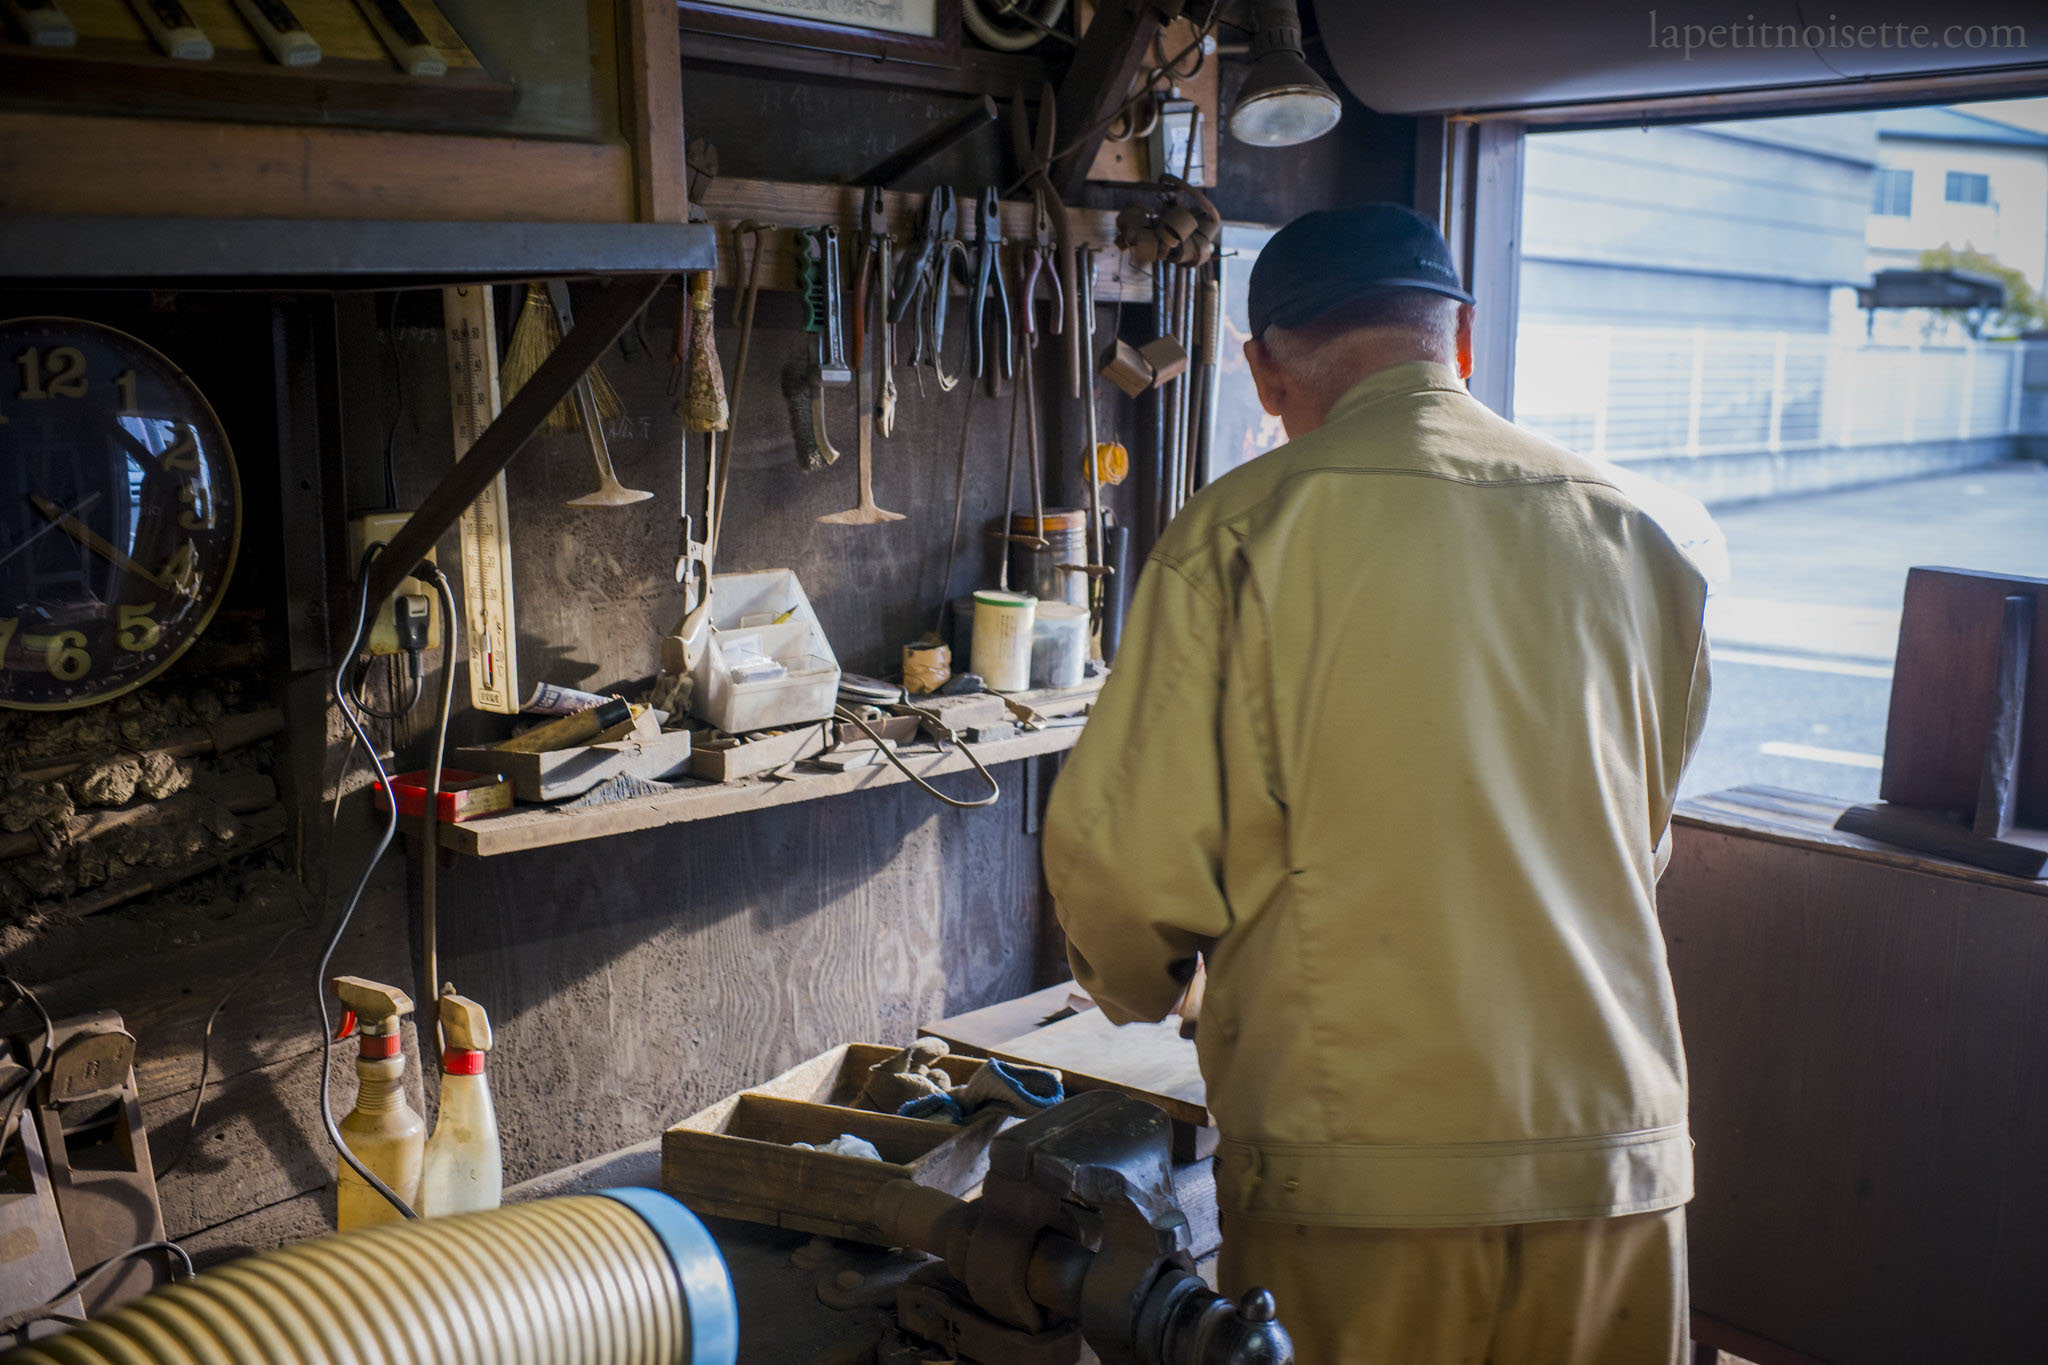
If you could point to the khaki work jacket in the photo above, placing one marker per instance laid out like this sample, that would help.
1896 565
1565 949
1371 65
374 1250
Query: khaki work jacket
1393 741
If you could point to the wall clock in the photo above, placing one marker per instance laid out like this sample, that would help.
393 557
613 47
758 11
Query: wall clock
120 513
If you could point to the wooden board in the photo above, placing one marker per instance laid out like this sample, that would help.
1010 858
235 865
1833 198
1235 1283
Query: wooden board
1150 1061
735 1160
1868 1046
1806 821
993 1025
648 752
519 831
1942 686
1131 160
80 164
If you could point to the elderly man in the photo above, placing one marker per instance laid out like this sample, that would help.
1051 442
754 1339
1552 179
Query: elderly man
1392 743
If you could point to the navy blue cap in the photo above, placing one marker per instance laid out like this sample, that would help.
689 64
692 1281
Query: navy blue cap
1332 257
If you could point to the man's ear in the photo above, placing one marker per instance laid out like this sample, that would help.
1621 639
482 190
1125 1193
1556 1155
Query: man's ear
1465 313
1271 382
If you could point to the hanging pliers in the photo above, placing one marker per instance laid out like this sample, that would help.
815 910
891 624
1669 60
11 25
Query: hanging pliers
1031 261
1034 148
874 269
924 282
988 280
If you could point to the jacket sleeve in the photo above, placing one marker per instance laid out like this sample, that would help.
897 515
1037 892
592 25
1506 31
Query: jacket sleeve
1134 830
1697 698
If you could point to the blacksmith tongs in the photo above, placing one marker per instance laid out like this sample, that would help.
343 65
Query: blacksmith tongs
988 279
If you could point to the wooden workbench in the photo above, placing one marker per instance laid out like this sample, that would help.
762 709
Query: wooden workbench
1867 1032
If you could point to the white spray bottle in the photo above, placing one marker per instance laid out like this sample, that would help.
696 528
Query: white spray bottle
463 1169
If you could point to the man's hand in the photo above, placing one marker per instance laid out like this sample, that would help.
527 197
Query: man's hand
1190 1007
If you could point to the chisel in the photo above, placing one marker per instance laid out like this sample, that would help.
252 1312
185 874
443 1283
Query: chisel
281 31
403 38
173 30
43 22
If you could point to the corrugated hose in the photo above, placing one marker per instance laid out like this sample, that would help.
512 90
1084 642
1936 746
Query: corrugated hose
626 1276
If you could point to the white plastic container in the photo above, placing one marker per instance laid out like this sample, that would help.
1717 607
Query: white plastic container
463 1170
763 614
1059 645
1002 638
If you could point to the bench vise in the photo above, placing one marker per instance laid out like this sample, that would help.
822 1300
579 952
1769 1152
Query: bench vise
1075 1237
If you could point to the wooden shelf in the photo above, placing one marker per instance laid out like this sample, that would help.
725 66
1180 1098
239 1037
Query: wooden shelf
1808 822
336 253
692 800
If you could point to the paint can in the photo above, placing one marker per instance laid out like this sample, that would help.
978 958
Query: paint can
1065 533
963 628
1059 645
1002 638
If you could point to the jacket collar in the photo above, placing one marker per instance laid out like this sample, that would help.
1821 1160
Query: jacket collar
1415 377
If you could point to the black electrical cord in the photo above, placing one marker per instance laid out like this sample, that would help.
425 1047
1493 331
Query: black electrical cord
348 909
994 791
48 1307
17 1102
405 706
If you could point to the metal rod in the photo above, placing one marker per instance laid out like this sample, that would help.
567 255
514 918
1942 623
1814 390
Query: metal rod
919 150
1160 512
505 437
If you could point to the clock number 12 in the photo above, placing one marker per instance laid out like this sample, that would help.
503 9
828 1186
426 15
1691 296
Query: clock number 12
60 374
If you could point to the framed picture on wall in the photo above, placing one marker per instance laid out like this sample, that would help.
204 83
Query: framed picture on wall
926 31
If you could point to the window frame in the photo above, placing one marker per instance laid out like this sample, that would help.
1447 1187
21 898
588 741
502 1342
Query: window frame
1973 179
1886 201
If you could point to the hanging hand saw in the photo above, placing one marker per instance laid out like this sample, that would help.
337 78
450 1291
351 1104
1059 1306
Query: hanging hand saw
486 524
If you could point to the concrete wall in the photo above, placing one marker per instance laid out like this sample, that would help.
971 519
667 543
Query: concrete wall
1750 476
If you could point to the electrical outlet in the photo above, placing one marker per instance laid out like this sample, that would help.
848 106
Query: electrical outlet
367 530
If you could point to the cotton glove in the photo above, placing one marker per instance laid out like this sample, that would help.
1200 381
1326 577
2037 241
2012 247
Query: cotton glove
906 1077
1011 1087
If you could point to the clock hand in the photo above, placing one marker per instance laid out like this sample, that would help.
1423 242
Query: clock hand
88 500
93 540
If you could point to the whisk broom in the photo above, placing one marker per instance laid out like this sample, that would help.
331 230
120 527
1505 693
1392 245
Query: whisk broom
535 334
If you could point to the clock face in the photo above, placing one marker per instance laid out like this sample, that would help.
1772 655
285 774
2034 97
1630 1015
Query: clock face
119 513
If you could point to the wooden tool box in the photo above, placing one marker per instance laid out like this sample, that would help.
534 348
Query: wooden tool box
734 1159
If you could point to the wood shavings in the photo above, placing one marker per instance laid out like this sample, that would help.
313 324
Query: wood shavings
163 775
45 807
108 783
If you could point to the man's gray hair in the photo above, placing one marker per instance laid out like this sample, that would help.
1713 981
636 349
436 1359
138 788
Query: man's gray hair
1322 352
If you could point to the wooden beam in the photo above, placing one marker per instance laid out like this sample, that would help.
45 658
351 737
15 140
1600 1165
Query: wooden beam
978 72
653 87
1494 263
505 437
130 167
1109 58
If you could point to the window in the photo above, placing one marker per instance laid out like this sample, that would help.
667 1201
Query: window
1967 188
1666 338
1892 195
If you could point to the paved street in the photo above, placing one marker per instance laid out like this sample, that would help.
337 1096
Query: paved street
1804 636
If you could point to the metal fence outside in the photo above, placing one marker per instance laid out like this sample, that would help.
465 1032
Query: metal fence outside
1624 393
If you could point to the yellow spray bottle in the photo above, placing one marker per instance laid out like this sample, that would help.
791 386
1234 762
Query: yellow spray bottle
463 1170
383 1130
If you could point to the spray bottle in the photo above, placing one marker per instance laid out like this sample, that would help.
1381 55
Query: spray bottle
463 1170
382 1130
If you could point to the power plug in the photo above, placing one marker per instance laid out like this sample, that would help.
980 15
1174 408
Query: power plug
422 615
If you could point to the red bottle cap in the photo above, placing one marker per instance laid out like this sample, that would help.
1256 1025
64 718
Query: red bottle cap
377 1046
462 1061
